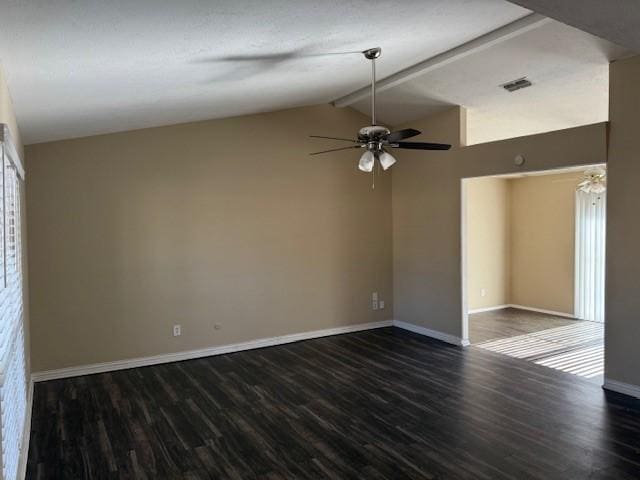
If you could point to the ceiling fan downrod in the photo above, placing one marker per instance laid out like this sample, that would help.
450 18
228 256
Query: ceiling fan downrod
372 54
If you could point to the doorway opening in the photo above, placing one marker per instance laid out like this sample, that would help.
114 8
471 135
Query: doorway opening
533 247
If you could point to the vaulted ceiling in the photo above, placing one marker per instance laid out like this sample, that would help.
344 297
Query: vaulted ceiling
78 68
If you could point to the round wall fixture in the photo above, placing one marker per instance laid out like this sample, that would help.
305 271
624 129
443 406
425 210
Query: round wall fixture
519 160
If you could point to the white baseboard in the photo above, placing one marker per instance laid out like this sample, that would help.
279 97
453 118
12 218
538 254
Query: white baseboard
488 309
522 307
621 387
205 352
26 434
445 337
542 310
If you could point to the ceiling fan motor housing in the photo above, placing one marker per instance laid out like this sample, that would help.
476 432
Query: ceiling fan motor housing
372 133
373 136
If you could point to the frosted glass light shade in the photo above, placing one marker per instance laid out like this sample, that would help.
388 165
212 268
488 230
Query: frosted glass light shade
386 160
366 161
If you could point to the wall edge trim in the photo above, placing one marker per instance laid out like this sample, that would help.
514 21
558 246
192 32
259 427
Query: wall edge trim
427 332
622 387
488 309
542 310
103 367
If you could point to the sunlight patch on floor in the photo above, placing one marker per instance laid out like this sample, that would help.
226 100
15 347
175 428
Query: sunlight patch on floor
577 349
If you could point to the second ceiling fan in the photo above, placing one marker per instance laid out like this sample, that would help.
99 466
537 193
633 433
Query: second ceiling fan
376 139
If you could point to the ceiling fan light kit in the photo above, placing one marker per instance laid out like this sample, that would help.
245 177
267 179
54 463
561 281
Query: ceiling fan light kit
375 139
594 181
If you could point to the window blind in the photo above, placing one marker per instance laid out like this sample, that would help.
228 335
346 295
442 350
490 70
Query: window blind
591 214
13 375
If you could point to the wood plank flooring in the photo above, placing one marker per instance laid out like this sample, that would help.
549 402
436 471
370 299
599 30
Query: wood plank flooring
381 404
511 322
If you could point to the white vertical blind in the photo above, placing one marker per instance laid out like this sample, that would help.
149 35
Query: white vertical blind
13 375
3 278
591 214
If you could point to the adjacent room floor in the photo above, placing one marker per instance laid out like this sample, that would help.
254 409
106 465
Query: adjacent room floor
378 404
573 346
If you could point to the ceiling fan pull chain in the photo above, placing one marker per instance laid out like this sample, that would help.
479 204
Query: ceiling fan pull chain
373 178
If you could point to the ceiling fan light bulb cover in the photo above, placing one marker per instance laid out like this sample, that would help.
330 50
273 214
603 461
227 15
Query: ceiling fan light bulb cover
366 161
386 160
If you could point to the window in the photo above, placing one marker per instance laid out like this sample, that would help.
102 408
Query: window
13 375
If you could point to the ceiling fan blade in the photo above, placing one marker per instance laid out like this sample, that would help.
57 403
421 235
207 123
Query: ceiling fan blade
402 134
421 146
336 149
335 138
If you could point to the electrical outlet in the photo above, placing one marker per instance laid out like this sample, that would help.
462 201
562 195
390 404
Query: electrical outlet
381 304
374 305
483 292
177 330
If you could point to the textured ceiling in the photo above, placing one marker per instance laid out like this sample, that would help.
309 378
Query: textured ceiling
615 20
81 67
569 70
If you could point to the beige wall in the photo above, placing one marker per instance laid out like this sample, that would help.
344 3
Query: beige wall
226 221
622 304
426 227
543 241
427 204
488 233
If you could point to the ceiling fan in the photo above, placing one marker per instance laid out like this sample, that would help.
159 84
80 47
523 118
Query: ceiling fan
375 139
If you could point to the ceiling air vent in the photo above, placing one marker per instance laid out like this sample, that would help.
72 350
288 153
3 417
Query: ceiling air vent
516 84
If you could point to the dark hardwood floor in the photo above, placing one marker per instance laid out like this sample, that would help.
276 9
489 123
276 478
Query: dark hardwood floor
381 404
